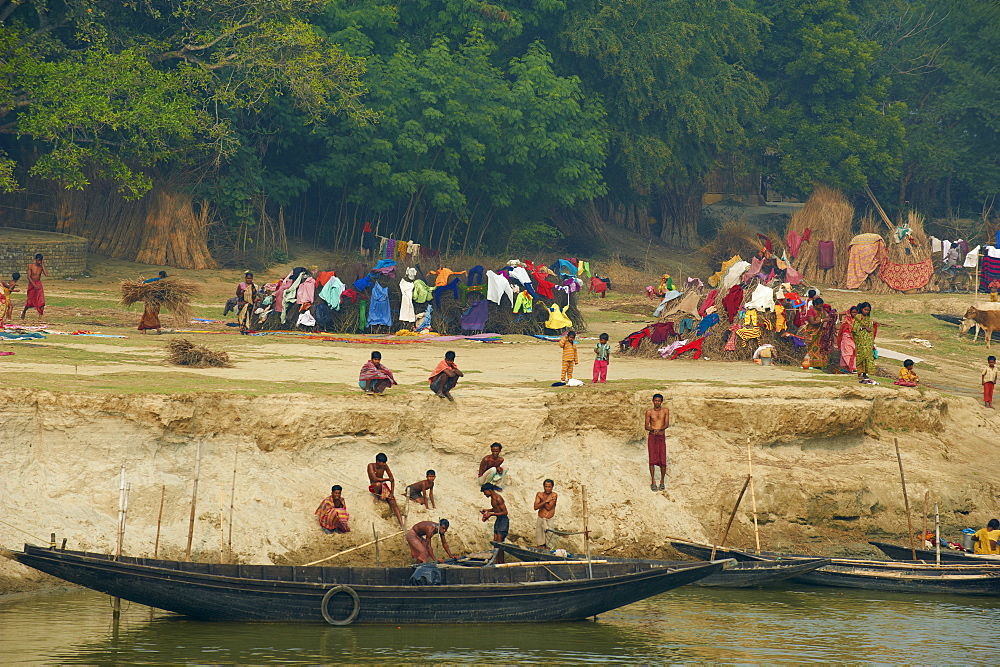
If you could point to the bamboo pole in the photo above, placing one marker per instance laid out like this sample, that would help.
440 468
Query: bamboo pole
725 534
121 512
159 521
923 519
347 551
906 500
377 557
937 535
194 500
753 498
232 503
586 534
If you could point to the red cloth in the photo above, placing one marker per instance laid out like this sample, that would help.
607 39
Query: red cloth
600 370
368 227
656 447
732 301
36 296
598 286
323 276
544 287
793 240
708 302
693 345
904 276
806 234
767 243
826 255
988 392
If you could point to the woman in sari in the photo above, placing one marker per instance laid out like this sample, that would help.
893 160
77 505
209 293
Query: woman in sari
863 330
845 340
820 324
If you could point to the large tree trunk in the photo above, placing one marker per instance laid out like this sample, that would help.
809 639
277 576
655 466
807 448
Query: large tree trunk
680 208
599 217
160 228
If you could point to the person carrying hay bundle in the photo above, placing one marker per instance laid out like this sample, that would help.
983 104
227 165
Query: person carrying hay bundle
173 293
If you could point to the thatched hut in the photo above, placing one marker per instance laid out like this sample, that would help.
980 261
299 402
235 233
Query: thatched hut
821 231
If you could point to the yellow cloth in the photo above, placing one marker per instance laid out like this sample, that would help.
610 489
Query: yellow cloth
714 279
558 318
983 545
989 374
908 375
400 251
779 317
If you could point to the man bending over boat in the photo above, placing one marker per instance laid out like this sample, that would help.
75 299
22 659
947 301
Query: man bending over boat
419 540
332 512
498 509
382 484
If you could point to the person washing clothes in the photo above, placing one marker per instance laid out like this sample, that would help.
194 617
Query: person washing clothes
602 352
569 356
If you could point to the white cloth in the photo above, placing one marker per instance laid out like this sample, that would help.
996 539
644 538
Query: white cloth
406 313
945 247
734 274
935 244
992 252
306 319
972 259
756 353
496 287
332 291
762 298
521 274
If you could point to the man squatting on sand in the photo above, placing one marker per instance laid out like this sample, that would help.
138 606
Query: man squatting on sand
382 484
545 503
657 421
423 491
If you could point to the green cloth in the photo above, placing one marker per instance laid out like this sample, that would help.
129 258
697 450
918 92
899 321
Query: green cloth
864 340
422 292
362 315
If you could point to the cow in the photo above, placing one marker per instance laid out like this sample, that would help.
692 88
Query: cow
987 320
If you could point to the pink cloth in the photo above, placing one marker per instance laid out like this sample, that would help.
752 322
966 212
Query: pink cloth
794 241
306 292
708 302
600 370
826 255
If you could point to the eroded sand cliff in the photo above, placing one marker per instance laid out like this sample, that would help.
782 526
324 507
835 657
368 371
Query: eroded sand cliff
825 467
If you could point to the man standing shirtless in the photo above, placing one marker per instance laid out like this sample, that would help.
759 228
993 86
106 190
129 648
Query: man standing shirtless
545 503
383 484
498 509
418 538
36 293
657 421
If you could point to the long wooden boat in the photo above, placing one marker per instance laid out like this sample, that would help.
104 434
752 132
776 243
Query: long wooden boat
342 595
740 575
906 577
897 552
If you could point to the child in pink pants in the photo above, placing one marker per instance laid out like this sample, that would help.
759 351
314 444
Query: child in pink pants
602 351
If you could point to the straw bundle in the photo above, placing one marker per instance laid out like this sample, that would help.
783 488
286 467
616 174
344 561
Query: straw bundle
173 294
905 252
185 353
827 214
735 237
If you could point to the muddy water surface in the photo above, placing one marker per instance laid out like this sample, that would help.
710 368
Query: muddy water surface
795 624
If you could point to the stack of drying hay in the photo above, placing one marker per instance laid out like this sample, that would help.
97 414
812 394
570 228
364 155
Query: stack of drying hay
825 218
172 294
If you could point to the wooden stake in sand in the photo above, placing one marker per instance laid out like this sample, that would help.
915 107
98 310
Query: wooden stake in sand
232 503
194 500
753 498
347 551
937 535
119 534
377 556
586 534
906 500
725 534
923 519
159 521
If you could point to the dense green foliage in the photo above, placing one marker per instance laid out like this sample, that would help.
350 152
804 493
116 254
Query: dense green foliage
454 122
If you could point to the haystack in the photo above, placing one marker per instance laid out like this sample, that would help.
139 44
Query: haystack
173 294
827 215
912 249
183 352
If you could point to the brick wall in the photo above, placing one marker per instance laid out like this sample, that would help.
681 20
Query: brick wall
65 255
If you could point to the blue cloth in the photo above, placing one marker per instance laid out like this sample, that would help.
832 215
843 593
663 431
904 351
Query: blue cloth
384 264
685 325
474 317
362 284
564 267
379 313
151 280
476 271
710 321
321 311
450 287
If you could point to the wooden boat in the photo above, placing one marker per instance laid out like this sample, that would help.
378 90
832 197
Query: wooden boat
342 595
896 552
906 577
741 575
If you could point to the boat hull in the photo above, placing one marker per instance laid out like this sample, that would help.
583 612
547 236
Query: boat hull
286 594
740 575
897 552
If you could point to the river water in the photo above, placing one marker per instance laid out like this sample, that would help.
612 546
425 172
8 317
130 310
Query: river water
792 624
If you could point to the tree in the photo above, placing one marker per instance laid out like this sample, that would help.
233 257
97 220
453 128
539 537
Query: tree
828 119
674 78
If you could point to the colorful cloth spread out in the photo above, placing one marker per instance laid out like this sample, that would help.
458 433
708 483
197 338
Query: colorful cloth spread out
989 271
866 249
904 276
332 519
714 279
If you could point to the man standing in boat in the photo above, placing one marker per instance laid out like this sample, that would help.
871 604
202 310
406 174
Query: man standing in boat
419 539
383 484
545 503
498 509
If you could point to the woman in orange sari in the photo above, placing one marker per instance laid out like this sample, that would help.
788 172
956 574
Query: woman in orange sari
845 340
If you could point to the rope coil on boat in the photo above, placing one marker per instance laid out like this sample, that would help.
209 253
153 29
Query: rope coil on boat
340 588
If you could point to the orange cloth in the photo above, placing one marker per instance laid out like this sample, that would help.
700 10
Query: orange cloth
443 275
443 364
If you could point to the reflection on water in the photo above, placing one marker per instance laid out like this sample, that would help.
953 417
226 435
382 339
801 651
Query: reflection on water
797 623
